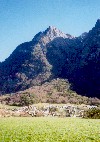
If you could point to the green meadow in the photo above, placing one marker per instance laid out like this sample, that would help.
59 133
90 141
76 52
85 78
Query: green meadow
49 129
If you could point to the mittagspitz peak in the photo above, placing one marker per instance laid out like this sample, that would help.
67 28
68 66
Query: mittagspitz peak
53 54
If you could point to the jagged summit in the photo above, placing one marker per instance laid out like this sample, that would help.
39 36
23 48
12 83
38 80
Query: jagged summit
49 34
54 32
57 32
52 29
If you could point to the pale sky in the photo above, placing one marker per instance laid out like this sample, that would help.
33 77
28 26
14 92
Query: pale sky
20 20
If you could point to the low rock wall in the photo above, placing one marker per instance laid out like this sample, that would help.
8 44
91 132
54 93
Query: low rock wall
47 110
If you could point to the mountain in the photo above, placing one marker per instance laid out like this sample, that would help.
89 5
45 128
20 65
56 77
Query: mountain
53 54
28 65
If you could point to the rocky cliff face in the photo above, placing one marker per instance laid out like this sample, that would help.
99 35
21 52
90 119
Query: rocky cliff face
53 54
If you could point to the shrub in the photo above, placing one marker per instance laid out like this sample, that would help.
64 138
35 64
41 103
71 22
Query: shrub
26 100
93 113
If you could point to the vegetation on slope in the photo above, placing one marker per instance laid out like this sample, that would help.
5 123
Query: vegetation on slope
57 91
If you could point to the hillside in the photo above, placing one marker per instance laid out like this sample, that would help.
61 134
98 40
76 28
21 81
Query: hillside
56 91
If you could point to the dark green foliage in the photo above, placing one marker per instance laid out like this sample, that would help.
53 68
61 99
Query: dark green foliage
93 113
26 100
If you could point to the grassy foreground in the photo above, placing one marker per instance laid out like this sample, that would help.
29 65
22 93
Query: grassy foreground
49 130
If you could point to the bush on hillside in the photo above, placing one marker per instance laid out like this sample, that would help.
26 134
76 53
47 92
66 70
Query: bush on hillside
93 113
26 100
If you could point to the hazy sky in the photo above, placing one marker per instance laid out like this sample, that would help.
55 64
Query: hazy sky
20 20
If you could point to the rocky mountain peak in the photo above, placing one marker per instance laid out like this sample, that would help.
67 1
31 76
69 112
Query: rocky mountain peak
49 34
52 32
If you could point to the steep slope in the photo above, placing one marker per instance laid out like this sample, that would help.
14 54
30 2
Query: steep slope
87 78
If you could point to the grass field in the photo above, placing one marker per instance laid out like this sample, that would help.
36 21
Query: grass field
49 130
